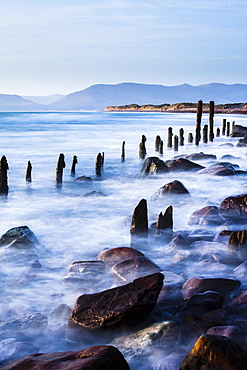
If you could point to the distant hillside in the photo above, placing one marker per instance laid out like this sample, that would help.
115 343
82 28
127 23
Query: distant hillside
97 97
14 103
45 100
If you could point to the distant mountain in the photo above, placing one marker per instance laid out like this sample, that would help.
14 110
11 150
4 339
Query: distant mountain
98 97
14 103
45 100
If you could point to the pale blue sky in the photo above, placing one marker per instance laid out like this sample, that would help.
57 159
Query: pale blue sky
60 46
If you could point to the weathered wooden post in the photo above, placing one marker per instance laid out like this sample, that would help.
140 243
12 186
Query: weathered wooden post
181 137
228 129
211 120
29 172
4 167
142 148
139 223
176 143
59 170
123 152
198 122
233 124
169 138
205 134
218 132
165 221
190 138
161 147
103 159
74 162
157 143
224 127
98 165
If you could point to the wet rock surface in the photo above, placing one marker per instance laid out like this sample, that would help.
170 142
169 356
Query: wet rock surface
174 187
183 164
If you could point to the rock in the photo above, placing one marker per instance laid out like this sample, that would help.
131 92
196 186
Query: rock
234 208
124 306
220 169
215 352
209 215
139 223
140 344
238 306
221 285
89 272
60 313
230 331
33 325
200 156
205 235
241 271
20 238
238 131
153 165
135 267
201 303
91 358
170 362
11 349
183 164
242 142
83 178
116 255
95 193
174 187
207 268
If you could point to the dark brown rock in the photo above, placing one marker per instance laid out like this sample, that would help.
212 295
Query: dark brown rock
209 215
234 208
116 255
238 306
183 164
229 331
165 221
220 285
91 358
174 187
153 165
220 169
202 302
215 352
124 306
200 156
134 268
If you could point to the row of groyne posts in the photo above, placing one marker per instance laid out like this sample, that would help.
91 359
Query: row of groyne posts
173 141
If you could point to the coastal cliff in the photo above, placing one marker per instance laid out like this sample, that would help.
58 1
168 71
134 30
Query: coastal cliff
236 108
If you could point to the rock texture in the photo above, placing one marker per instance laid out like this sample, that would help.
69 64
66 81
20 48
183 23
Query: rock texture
235 208
92 358
124 306
174 187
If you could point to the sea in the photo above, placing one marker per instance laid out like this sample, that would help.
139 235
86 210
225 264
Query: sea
73 227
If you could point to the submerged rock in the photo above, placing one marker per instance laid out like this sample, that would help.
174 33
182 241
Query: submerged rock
174 187
209 215
11 348
234 208
238 131
183 164
114 256
242 142
85 272
221 169
153 165
124 306
200 156
215 352
91 358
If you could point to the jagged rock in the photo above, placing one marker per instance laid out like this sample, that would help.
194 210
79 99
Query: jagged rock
135 267
153 165
234 208
31 272
139 223
114 256
91 358
215 352
19 237
221 169
124 306
242 142
140 344
183 164
90 272
221 285
238 131
209 215
174 187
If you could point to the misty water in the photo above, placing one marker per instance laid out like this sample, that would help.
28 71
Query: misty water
71 227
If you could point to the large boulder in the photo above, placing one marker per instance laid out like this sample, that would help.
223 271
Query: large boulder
209 215
200 156
116 255
238 131
89 272
183 164
153 165
215 352
122 307
234 208
174 187
91 358
221 169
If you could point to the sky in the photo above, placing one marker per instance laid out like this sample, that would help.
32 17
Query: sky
58 46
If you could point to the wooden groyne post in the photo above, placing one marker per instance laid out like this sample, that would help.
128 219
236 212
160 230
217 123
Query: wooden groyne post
211 121
157 143
165 221
142 148
29 172
123 152
224 127
198 122
227 128
176 143
190 138
59 170
98 165
169 137
205 134
74 163
218 132
4 167
161 147
181 137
